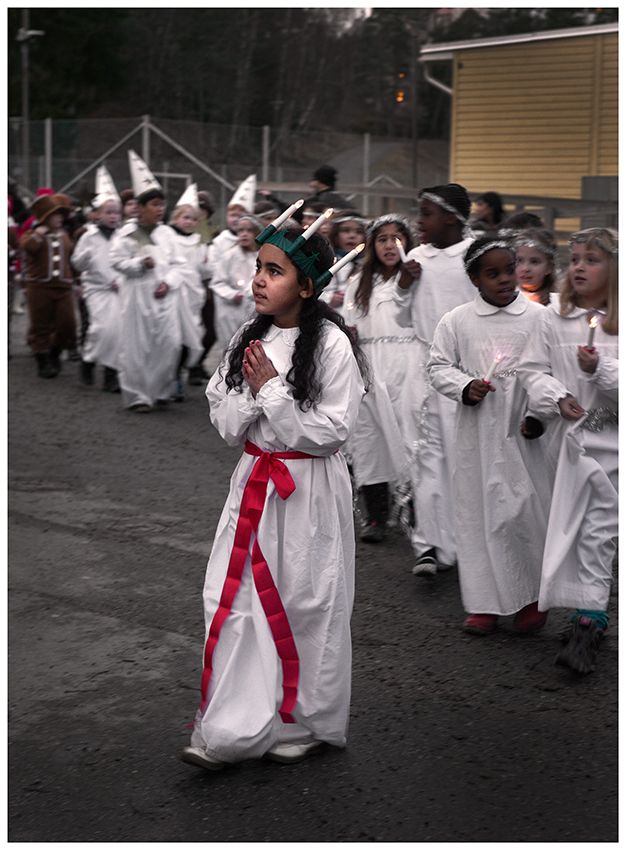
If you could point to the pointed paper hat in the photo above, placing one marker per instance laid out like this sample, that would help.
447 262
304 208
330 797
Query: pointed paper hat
189 196
142 178
244 196
105 188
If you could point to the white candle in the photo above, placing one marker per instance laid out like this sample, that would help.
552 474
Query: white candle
593 323
492 368
400 246
287 214
317 223
345 260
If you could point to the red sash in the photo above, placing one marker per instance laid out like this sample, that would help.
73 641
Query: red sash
269 465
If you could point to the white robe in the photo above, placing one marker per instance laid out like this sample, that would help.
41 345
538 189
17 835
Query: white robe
381 443
339 284
308 543
232 276
578 556
442 286
91 257
150 327
500 489
191 291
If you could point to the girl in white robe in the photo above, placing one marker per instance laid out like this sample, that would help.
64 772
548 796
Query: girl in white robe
280 579
191 292
100 291
380 446
500 491
144 253
346 232
536 254
438 283
570 370
231 282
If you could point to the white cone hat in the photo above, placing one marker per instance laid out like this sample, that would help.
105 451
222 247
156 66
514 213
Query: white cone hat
244 196
142 178
189 196
105 188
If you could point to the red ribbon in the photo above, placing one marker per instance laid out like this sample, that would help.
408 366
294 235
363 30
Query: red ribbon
269 465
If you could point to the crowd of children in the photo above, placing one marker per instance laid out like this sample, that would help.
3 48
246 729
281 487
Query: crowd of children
458 373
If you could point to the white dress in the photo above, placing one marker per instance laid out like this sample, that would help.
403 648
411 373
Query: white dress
307 541
442 286
191 291
500 488
381 443
577 561
339 284
91 257
150 327
232 276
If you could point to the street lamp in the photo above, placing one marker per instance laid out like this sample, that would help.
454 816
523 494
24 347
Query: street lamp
24 34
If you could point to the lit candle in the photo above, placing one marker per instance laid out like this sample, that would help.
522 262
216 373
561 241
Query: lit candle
287 214
345 260
593 323
400 247
317 223
492 368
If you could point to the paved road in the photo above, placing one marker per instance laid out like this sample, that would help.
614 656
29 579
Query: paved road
453 738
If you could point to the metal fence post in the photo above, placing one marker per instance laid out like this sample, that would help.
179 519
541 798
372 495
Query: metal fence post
145 139
48 153
366 171
265 170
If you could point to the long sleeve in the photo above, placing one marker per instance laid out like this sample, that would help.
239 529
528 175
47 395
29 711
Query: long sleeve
231 412
122 258
443 371
606 376
81 257
403 299
220 280
535 374
323 428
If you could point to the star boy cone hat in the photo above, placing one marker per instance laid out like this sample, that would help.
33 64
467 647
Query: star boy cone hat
244 196
189 196
142 178
105 188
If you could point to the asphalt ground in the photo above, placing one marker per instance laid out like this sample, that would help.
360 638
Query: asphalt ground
453 738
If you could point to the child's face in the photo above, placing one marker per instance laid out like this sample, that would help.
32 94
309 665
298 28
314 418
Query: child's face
131 208
187 220
276 289
531 268
309 216
109 214
233 214
433 222
385 246
495 277
152 212
55 221
588 273
246 233
349 235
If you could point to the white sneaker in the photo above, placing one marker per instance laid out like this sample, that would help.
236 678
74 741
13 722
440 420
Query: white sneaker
197 757
290 753
426 565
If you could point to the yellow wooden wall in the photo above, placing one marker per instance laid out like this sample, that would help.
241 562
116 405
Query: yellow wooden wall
533 118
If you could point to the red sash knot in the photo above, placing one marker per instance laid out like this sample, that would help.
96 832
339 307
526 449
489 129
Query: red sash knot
268 466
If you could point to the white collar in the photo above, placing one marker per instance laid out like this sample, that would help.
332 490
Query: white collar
576 313
461 247
289 335
515 308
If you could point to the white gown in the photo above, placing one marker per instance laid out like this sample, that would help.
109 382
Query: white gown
578 556
150 327
443 285
381 443
339 283
500 487
232 275
308 543
191 291
91 257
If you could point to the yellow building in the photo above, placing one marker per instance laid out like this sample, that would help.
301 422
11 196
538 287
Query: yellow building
532 114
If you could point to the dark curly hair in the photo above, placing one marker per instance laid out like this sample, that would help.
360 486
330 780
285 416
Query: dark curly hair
303 375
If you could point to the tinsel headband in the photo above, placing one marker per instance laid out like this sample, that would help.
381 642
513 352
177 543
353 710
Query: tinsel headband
388 218
437 199
520 241
468 262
